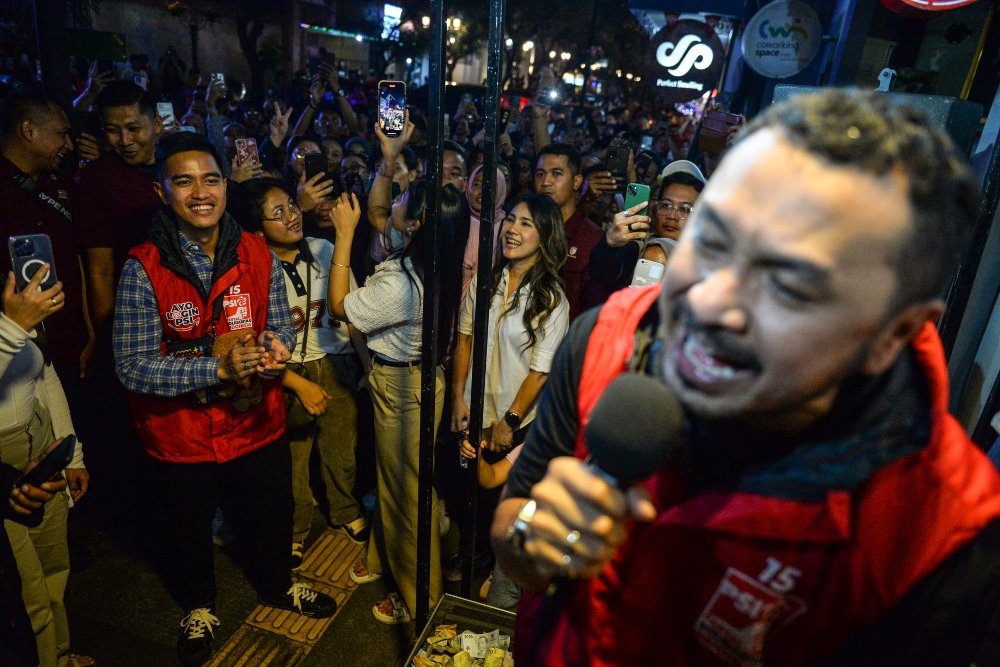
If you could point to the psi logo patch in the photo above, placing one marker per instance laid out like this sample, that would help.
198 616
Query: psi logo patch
237 309
736 620
183 316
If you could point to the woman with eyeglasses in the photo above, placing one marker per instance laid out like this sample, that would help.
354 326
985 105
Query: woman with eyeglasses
389 310
613 261
326 367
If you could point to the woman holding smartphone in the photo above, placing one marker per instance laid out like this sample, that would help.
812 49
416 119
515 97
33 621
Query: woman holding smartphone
33 414
529 316
389 310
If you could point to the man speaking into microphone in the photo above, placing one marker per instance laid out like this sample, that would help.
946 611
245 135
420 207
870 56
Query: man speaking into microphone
818 504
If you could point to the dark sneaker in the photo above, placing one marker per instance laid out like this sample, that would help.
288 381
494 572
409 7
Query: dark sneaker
296 556
194 645
302 599
357 531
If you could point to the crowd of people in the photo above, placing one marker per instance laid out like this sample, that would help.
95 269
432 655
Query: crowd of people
240 308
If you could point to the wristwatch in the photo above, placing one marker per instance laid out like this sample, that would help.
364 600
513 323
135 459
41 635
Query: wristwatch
518 531
513 420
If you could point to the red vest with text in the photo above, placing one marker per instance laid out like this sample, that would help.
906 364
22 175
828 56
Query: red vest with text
177 429
734 578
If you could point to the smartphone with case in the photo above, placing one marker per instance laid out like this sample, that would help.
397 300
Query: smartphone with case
246 151
314 163
392 107
27 255
647 272
637 193
58 455
618 162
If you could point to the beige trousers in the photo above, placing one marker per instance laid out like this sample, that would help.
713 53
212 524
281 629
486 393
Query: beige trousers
42 553
396 396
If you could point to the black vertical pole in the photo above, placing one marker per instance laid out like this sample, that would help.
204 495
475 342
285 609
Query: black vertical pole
50 23
430 330
494 70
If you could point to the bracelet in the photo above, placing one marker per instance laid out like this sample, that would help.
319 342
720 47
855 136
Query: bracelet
343 266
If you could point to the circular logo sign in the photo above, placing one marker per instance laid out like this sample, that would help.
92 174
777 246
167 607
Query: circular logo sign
782 39
685 60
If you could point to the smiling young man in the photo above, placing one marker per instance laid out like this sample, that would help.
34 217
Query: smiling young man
212 420
34 139
827 509
115 195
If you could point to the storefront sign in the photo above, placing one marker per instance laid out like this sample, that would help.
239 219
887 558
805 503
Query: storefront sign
686 60
782 39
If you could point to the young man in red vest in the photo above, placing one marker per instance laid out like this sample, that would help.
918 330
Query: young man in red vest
828 509
213 421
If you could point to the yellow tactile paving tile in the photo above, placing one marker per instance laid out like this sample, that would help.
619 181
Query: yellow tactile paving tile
253 647
295 626
329 560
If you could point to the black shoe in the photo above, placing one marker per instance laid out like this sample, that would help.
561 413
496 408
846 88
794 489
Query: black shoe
296 559
302 599
194 645
355 533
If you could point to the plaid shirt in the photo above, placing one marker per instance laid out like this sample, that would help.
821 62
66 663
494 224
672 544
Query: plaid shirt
138 330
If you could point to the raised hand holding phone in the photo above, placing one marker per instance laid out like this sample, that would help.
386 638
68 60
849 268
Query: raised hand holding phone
29 307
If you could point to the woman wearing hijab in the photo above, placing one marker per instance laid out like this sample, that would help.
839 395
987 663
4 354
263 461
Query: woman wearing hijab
474 193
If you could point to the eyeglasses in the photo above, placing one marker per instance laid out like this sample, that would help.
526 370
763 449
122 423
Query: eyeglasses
282 214
667 207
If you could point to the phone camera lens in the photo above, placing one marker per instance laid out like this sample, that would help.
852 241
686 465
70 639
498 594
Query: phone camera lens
24 248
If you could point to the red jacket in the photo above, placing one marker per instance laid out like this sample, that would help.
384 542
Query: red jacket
733 578
177 429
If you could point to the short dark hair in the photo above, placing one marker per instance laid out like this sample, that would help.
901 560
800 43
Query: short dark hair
21 106
571 154
183 142
125 94
864 130
680 178
455 147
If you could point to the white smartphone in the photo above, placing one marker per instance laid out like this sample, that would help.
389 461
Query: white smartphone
165 110
647 272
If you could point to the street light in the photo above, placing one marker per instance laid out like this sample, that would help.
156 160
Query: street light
425 21
552 55
565 56
451 40
629 76
509 43
456 23
527 46
409 61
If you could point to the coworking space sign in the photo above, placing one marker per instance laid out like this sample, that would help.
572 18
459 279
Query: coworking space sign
685 61
782 39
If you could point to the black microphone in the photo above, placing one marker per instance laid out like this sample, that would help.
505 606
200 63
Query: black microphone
635 428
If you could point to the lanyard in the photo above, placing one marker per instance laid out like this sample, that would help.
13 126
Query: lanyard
31 187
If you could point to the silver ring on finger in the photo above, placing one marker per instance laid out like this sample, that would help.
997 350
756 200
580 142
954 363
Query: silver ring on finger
572 539
55 301
246 365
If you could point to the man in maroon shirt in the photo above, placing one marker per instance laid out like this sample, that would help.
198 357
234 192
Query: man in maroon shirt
34 138
557 174
114 197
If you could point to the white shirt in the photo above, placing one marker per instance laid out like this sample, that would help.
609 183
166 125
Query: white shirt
507 361
327 334
389 310
24 380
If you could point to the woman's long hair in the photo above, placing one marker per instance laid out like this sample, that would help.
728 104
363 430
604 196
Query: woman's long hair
453 233
246 204
543 281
